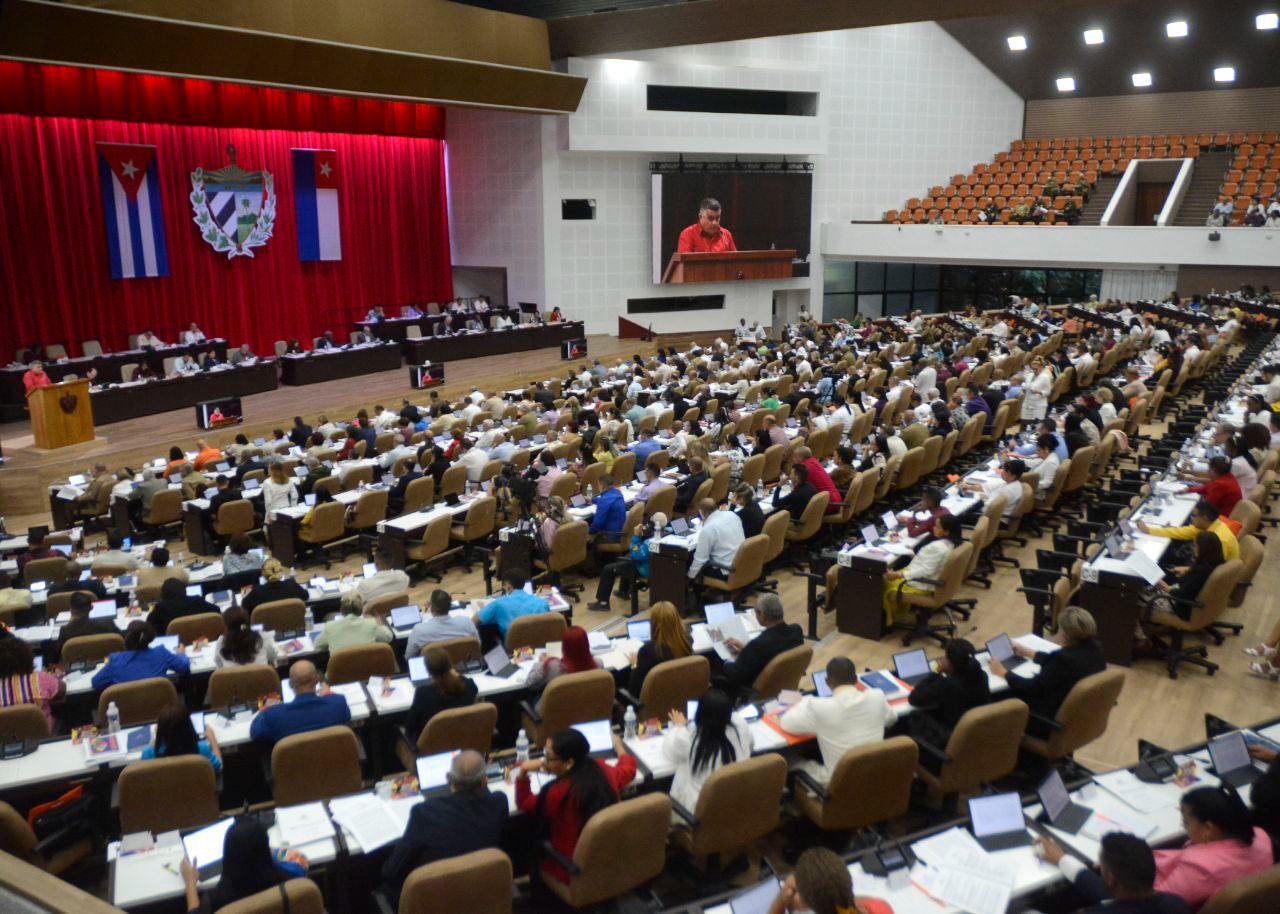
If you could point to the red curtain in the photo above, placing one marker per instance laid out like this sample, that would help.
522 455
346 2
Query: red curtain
55 279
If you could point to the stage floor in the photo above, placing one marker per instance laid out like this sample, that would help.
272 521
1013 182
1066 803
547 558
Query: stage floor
27 471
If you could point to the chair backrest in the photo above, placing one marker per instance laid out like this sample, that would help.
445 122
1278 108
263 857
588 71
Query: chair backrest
371 507
621 847
748 562
1085 711
54 569
280 615
811 518
185 782
752 470
91 648
481 519
315 766
984 745
1216 593
535 630
575 698
231 685
303 897
910 469
671 684
16 836
460 650
200 625
720 477
359 662
624 468
22 722
773 455
1254 894
663 501
1081 464
139 701
739 803
890 765
460 728
234 516
474 883
775 527
419 494
328 522
166 507
454 480
1248 515
784 671
568 546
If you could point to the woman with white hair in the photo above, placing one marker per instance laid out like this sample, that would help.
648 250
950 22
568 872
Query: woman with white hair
1035 395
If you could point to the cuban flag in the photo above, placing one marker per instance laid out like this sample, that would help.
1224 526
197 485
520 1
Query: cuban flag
315 196
131 210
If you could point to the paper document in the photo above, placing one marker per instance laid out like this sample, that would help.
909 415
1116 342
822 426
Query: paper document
963 889
303 824
1143 565
367 819
1141 796
734 628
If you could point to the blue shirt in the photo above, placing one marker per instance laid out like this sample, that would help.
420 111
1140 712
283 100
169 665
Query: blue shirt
643 448
129 666
306 712
1029 449
611 513
502 611
640 554
205 749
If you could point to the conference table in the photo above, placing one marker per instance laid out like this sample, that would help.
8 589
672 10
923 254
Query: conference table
396 329
343 362
13 398
121 401
520 338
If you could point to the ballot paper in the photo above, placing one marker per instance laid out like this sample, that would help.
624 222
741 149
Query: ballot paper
368 820
1142 563
303 824
963 889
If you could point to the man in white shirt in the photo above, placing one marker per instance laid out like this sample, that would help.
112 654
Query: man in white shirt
186 366
501 322
926 378
718 541
385 581
473 458
383 419
844 720
1008 485
470 411
998 330
148 338
193 335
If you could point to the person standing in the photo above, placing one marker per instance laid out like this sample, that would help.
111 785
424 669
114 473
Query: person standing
707 235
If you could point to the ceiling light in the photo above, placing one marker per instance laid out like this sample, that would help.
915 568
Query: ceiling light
1224 74
1267 21
1066 84
1017 42
1093 36
1141 79
1176 29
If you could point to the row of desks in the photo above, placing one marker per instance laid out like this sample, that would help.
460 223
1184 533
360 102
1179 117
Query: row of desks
145 398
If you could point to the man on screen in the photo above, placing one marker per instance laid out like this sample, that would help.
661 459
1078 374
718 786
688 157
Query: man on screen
706 235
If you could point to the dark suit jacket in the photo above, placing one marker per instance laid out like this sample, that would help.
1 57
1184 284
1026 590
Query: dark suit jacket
756 654
1090 886
796 501
221 497
166 611
395 499
688 487
1059 671
271 591
441 827
300 434
752 518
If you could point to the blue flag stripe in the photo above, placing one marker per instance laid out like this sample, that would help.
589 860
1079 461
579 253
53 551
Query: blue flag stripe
135 237
304 200
105 182
157 219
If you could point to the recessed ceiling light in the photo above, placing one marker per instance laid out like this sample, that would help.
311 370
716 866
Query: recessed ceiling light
1176 29
1141 79
1224 74
1093 36
1017 42
1267 21
1066 84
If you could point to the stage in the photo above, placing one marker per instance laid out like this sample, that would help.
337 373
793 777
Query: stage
27 470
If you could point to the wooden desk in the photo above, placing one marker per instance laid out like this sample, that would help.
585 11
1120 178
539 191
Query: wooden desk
1113 602
669 577
729 265
859 608
331 365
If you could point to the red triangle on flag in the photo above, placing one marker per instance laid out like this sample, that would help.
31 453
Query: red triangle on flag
129 164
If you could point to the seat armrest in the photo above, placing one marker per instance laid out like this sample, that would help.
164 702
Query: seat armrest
683 812
569 866
809 781
1049 722
527 707
628 698
1036 591
932 750
934 581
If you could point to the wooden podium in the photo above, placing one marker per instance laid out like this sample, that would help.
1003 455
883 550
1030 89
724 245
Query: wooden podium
729 265
61 414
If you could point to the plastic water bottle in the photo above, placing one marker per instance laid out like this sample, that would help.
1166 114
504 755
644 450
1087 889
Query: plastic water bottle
629 722
113 718
308 620
181 557
522 747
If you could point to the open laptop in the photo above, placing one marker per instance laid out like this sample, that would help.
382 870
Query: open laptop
433 772
755 900
499 664
102 609
679 526
405 617
640 630
870 535
998 823
1232 763
599 734
820 684
1001 648
577 501
193 590
1058 808
204 847
911 666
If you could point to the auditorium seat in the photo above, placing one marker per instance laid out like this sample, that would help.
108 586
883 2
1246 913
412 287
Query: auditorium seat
91 649
317 765
738 805
23 722
452 730
359 662
568 699
231 685
297 896
139 701
201 625
186 782
474 883
844 803
91 348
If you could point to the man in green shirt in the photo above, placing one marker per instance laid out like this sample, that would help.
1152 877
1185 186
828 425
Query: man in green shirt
771 400
350 628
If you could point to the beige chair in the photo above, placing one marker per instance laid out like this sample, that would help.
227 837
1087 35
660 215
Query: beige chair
662 501
419 494
185 782
434 545
535 630
945 589
1210 605
18 840
738 805
1083 716
450 730
635 514
784 671
568 551
748 566
370 510
91 648
358 663
1251 554
453 482
139 701
280 615
201 625
234 517
381 607
672 684
353 477
316 765
474 883
983 748
460 650
328 527
844 803
1254 894
298 896
622 846
810 520
478 525
568 699
230 685
166 510
53 570
23 722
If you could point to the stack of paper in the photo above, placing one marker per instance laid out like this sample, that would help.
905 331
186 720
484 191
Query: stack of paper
1141 796
303 824
958 871
368 820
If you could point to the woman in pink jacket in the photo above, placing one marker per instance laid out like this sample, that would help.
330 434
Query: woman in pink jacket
1222 845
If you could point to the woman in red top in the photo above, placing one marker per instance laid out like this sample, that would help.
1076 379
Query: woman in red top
821 884
583 786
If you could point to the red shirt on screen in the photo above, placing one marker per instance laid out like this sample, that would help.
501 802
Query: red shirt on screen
693 241
31 380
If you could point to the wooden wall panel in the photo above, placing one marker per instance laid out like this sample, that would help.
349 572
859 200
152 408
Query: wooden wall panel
1168 112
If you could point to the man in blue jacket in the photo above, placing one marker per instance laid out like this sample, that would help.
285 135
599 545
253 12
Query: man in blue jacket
307 711
611 511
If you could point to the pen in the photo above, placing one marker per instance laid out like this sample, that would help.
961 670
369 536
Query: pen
170 868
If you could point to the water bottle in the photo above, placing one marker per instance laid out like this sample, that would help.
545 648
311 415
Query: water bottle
522 747
308 620
181 557
629 722
113 718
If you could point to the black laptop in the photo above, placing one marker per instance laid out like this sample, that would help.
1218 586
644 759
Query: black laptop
1001 648
1232 763
911 666
998 823
1058 808
499 663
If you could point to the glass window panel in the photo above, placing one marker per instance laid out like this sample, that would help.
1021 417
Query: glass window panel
928 276
897 277
898 303
871 305
925 301
838 276
841 304
870 277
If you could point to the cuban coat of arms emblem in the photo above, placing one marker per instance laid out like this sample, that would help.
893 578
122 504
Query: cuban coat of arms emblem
234 209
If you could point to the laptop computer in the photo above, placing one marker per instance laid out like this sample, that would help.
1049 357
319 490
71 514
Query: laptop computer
599 734
577 501
102 609
1001 648
418 670
755 900
998 823
204 847
498 661
679 526
251 483
1232 763
911 666
1058 808
433 772
820 684
870 535
77 480
640 630
405 617
193 590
